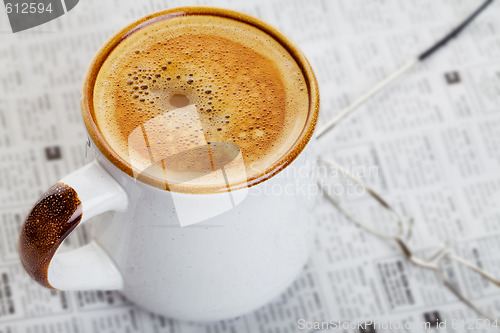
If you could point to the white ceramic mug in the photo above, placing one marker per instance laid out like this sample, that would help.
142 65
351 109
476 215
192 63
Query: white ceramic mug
188 256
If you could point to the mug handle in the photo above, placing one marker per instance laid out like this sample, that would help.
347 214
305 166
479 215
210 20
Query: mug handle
85 193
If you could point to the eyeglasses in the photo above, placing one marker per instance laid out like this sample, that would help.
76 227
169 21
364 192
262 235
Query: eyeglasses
385 222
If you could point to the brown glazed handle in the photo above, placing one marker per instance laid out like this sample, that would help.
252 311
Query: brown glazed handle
83 194
50 221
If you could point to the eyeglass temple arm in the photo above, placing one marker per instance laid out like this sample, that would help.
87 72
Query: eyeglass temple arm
399 72
459 295
364 98
464 300
452 34
476 269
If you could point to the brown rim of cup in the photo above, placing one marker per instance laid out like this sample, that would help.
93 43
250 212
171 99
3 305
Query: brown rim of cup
285 160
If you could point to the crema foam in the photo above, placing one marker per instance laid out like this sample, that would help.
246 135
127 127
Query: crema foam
200 102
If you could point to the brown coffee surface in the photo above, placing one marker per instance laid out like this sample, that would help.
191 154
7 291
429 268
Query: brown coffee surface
200 102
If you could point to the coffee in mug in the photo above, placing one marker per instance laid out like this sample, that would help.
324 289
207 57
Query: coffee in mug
177 86
200 120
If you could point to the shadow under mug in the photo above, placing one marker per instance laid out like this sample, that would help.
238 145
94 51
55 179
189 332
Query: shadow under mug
188 256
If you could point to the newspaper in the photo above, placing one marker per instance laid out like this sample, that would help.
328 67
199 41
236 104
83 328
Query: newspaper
434 138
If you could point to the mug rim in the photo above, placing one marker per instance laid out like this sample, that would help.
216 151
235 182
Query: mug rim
281 163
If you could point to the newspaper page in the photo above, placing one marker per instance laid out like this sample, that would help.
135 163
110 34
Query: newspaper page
432 140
